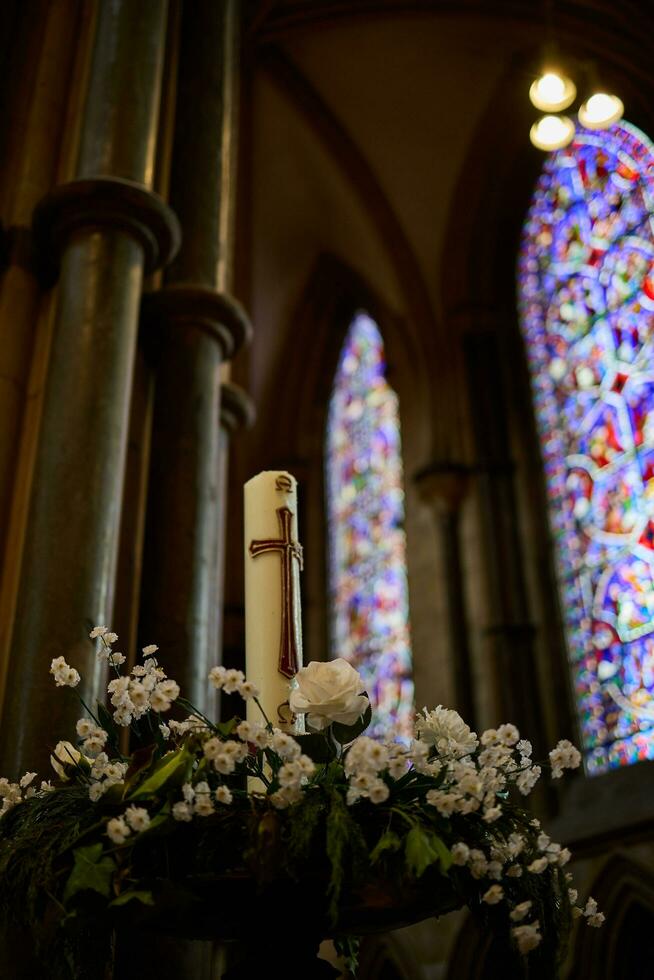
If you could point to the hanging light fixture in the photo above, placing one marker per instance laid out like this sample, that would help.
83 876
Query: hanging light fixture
552 92
552 132
600 111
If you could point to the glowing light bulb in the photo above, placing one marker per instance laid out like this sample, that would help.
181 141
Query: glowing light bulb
552 92
552 132
600 111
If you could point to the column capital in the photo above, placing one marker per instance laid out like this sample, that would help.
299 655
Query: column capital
107 203
443 484
205 309
237 409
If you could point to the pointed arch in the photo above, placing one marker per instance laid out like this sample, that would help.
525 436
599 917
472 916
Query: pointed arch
365 520
586 297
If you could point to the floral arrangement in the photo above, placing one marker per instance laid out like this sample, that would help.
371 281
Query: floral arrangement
427 827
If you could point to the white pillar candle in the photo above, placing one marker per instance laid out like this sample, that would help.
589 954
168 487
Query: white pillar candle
273 556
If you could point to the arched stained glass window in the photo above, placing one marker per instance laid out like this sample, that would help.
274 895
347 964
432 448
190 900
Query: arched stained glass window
367 546
586 287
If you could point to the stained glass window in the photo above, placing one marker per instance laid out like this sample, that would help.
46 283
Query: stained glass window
367 546
586 288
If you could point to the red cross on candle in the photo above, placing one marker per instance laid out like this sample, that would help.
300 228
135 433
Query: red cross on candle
288 550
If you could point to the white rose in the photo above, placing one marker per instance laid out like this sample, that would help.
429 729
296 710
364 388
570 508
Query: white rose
328 692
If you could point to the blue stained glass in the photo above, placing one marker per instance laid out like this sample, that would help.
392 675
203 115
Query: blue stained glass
586 295
367 546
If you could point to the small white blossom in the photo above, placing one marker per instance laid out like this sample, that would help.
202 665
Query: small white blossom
223 795
514 871
27 779
520 911
98 631
182 811
527 937
138 818
526 780
217 676
165 731
117 830
150 650
159 702
538 865
84 727
64 675
564 756
596 920
109 637
508 734
248 690
378 792
285 746
97 790
494 895
491 814
460 853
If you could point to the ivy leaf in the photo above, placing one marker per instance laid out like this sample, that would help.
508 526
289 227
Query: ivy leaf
387 842
225 728
91 872
347 733
172 770
145 897
422 849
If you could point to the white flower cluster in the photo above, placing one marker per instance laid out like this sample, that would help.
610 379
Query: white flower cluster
564 756
146 688
105 773
135 820
13 793
63 673
94 737
446 730
112 657
365 760
232 682
199 801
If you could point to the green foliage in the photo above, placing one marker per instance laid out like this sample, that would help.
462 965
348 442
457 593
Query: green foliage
172 771
344 843
91 872
146 898
389 842
422 849
347 733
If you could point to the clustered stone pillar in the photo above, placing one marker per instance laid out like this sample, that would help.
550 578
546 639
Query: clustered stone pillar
236 412
443 486
512 633
193 326
106 228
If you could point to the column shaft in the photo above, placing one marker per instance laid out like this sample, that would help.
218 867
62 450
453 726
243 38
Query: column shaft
70 548
512 632
193 326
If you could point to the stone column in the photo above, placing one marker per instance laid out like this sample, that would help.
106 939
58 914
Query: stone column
236 412
105 228
512 633
443 486
193 325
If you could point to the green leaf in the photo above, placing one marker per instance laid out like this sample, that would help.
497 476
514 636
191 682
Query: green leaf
140 760
172 770
145 897
387 842
317 747
347 733
91 872
422 849
225 728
